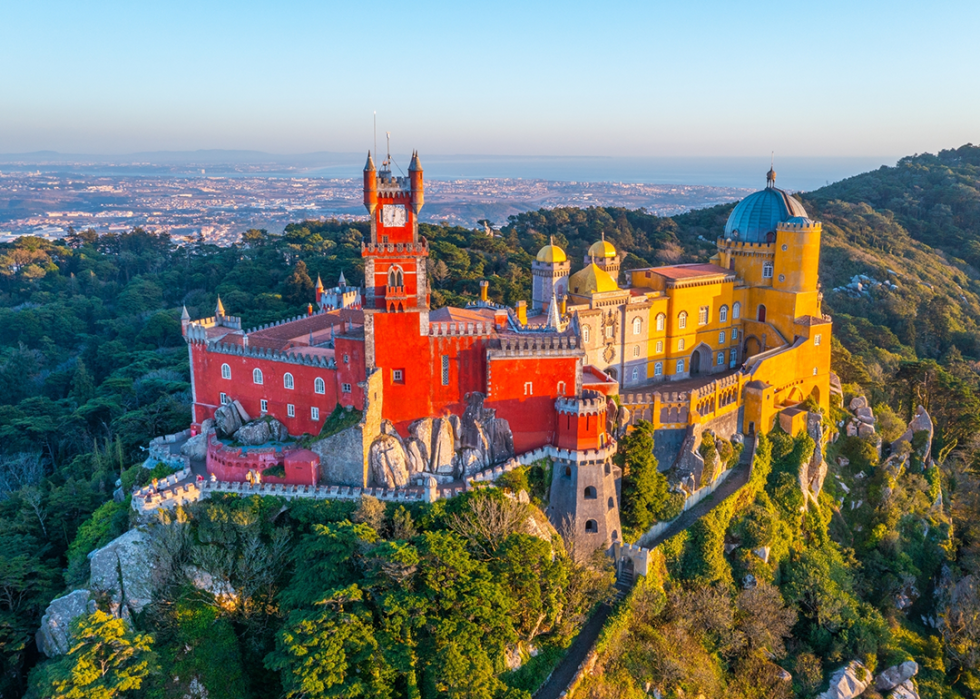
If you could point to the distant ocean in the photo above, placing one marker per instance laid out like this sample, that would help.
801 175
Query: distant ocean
793 173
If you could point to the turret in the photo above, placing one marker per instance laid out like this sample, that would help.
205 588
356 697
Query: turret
371 185
418 189
185 320
319 289
219 309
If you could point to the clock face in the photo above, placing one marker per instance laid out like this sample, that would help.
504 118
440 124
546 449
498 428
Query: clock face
393 215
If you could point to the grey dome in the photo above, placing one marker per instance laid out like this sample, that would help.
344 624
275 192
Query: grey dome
757 215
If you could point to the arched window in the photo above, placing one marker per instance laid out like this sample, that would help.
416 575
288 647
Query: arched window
723 314
585 333
680 366
636 350
256 376
591 527
590 493
615 535
762 313
736 310
661 321
568 471
637 326
608 470
660 346
395 277
319 386
658 369
721 337
682 319
287 380
225 371
636 373
767 270
611 503
561 388
680 345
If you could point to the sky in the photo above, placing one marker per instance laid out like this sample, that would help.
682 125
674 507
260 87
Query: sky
709 78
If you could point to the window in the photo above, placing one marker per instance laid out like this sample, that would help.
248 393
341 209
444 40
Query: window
721 337
609 331
636 374
590 493
736 311
264 405
615 535
528 388
287 380
723 314
660 346
733 355
568 471
445 370
703 315
314 413
814 371
682 319
346 359
608 470
610 503
591 527
319 386
734 334
561 388
680 366
680 345
658 369
816 339
585 333
721 358
661 321
636 351
345 388
398 375
224 399
225 371
257 376
767 270
290 410
637 326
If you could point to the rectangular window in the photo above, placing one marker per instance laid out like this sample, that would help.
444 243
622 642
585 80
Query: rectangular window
721 337
528 389
291 410
314 413
816 339
609 331
445 370
224 399
660 346
732 356
345 387
680 345
264 405
346 359
734 334
398 375
703 315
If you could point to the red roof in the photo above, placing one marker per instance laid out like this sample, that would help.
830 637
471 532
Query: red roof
279 336
690 271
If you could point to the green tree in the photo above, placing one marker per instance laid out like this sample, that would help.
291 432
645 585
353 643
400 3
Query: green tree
299 286
645 491
106 660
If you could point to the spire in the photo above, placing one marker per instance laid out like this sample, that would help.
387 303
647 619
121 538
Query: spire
415 165
342 283
319 283
184 315
369 165
219 310
771 175
554 319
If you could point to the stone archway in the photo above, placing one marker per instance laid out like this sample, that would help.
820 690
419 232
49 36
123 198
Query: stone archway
751 347
700 360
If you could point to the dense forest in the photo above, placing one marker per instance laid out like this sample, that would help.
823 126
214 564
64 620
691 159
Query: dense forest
360 600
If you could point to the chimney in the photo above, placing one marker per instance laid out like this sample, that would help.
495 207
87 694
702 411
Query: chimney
563 305
309 309
521 312
500 319
484 287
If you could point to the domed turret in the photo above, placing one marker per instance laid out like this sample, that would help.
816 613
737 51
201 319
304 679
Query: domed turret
551 254
602 249
755 218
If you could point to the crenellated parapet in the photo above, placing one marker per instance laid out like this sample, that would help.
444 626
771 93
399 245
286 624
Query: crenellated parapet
395 249
533 344
458 329
274 355
589 403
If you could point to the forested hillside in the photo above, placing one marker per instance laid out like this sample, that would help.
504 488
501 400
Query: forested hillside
92 366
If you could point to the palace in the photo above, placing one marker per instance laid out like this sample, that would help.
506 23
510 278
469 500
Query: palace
732 345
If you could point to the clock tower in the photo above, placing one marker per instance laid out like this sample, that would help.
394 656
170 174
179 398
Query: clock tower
394 259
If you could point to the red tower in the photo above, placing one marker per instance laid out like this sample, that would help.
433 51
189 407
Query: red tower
394 264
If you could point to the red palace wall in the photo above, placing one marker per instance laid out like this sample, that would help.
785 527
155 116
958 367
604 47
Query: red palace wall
580 432
208 385
233 464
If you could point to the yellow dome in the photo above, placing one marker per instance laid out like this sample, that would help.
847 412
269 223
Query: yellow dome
552 254
591 280
602 248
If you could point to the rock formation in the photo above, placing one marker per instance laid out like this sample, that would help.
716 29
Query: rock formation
227 421
260 431
813 474
896 675
906 690
389 462
54 636
848 682
196 447
123 568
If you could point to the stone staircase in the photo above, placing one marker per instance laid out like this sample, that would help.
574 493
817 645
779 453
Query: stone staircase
624 583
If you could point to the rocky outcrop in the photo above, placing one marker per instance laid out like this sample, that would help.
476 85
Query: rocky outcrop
265 429
222 590
857 402
196 447
812 475
54 636
848 682
896 675
443 447
906 690
123 568
918 435
388 462
342 457
227 421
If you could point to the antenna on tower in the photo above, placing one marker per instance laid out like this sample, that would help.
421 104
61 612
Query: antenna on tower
375 131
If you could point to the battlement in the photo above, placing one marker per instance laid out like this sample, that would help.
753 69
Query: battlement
731 243
527 345
393 185
460 329
806 226
274 355
197 329
395 249
590 403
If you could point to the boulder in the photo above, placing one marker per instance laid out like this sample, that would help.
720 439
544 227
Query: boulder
814 473
852 428
443 447
415 450
124 569
420 431
865 430
835 385
207 426
241 412
858 402
921 423
906 690
848 682
277 430
254 433
388 462
865 415
227 421
54 636
896 675
196 447
222 590
342 457
763 553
